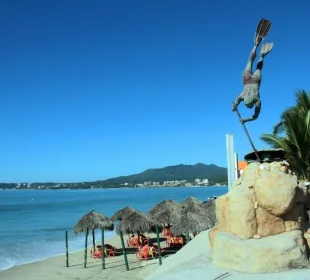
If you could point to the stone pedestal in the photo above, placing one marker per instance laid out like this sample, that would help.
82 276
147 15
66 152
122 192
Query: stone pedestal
262 222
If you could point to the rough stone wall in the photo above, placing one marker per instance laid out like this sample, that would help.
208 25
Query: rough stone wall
266 201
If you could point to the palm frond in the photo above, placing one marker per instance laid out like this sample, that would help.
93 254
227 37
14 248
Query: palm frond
294 126
274 141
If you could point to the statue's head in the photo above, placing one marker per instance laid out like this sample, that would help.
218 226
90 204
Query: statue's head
248 101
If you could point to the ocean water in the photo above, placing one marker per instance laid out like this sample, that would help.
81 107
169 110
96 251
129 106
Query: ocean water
33 223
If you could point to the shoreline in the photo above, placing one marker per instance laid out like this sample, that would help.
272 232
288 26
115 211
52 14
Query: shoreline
98 240
109 188
56 266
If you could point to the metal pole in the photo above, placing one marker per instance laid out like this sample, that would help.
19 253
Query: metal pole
187 237
230 159
67 250
158 246
247 133
102 248
236 167
85 250
124 250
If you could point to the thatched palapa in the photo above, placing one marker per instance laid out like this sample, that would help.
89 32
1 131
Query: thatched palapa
121 214
137 222
192 205
164 205
166 212
209 209
191 202
93 220
190 223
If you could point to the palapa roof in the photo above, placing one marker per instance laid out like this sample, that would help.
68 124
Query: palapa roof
137 222
209 208
120 214
192 204
93 220
209 204
188 202
189 223
168 216
164 205
166 212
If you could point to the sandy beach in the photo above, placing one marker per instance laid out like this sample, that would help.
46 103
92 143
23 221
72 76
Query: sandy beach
191 262
56 267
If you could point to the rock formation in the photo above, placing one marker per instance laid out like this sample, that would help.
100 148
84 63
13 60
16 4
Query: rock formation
262 223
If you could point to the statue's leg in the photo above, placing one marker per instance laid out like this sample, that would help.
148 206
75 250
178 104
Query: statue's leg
249 65
266 48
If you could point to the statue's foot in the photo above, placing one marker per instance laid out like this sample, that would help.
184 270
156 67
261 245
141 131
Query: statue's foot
262 30
266 48
257 40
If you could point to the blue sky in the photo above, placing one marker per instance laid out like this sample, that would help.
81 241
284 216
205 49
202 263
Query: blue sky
96 89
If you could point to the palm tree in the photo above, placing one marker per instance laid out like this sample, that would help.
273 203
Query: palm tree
292 134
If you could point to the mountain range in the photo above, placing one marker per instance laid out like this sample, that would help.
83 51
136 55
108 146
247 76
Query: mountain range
212 172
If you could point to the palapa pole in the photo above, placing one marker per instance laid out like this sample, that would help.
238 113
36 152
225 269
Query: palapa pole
187 237
247 133
158 244
124 251
103 248
94 241
67 249
85 250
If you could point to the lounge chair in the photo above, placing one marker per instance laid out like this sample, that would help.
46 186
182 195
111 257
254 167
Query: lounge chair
176 241
133 241
144 240
109 251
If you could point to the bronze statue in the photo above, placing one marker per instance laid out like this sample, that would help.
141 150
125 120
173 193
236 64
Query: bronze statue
251 81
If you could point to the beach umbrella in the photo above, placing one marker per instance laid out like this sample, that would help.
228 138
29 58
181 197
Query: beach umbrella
120 214
190 222
92 221
138 223
165 212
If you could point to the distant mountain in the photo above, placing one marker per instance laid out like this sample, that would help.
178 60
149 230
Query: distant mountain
211 172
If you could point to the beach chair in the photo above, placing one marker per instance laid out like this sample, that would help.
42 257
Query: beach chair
98 252
133 241
162 250
166 231
144 240
109 251
177 241
147 251
143 252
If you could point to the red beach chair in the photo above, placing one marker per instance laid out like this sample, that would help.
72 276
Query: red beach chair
143 252
97 253
133 241
144 240
162 250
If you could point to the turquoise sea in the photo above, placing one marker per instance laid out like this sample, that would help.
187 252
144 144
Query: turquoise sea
33 223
